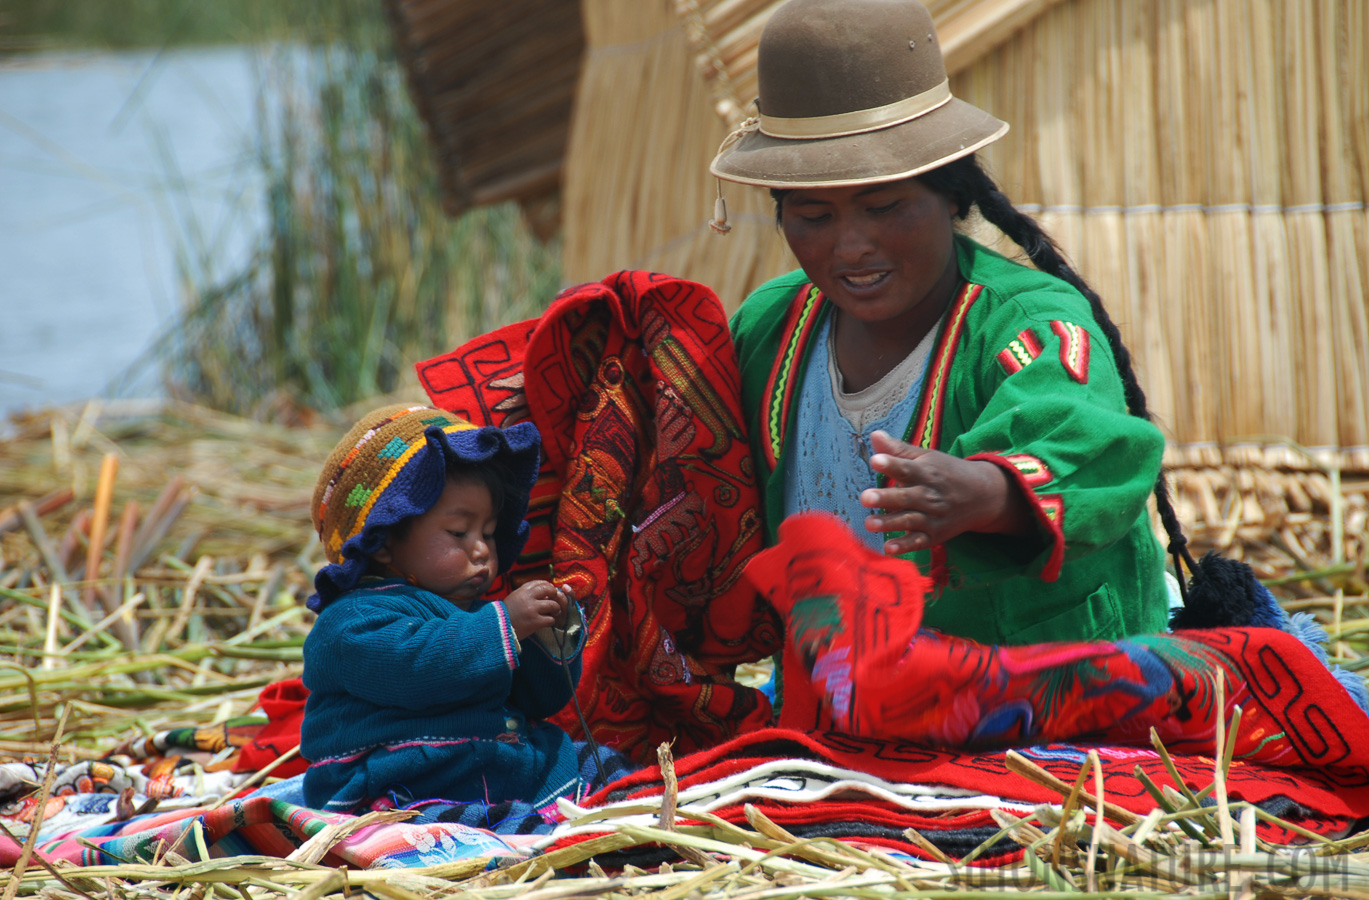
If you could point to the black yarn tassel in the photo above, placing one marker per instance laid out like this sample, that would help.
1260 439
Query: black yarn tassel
1222 593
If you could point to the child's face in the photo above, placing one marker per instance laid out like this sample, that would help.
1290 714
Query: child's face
449 550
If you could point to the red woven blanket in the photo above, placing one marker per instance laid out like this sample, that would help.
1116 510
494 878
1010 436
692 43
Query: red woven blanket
646 507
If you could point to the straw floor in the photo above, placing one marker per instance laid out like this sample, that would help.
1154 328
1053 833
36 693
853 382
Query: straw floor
155 563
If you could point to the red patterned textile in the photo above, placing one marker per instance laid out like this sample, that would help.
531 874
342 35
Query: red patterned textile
646 508
858 663
283 703
1323 801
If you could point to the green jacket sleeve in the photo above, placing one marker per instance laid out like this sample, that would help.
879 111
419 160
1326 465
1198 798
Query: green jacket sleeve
1046 403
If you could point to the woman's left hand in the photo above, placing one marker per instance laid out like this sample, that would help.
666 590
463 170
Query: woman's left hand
932 496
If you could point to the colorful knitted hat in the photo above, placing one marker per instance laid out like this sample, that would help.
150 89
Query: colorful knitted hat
393 465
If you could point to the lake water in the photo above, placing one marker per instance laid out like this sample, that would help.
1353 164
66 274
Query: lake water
110 166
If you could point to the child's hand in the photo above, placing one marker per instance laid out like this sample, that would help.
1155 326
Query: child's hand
534 606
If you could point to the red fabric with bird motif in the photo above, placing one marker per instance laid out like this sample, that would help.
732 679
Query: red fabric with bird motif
858 662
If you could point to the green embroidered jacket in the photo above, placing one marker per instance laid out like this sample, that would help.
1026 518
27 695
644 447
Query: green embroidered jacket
1022 376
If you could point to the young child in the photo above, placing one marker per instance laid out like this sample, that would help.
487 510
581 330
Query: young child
420 688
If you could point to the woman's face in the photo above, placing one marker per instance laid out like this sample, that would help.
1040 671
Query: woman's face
882 253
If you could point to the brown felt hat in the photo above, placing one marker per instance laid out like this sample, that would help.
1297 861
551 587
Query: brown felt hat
851 92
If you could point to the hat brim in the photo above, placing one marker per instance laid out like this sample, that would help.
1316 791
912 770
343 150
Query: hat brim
950 131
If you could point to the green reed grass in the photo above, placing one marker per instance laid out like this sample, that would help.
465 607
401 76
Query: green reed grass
358 274
30 24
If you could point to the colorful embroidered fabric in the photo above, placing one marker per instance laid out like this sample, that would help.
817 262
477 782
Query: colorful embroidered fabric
646 505
90 835
857 662
243 744
223 741
99 792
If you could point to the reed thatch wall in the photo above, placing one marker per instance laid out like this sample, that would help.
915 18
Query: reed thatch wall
637 192
495 83
1204 162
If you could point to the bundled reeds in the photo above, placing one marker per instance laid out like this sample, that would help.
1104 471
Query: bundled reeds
637 192
495 84
1204 163
153 567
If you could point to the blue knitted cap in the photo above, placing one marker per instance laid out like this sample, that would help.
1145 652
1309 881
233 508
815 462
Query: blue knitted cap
391 466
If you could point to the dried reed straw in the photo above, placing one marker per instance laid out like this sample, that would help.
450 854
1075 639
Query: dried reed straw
188 595
49 554
1056 129
931 849
1143 199
1219 775
49 503
1168 761
1096 129
39 813
165 510
104 495
1091 865
116 616
1018 763
50 658
1248 821
669 797
619 209
1318 394
123 541
1071 801
1350 330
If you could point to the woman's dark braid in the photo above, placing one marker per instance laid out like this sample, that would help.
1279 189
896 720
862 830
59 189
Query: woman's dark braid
967 184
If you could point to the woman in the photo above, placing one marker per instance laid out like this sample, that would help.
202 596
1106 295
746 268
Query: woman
977 416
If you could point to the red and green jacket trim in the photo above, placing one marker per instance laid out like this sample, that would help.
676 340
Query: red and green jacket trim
804 313
780 387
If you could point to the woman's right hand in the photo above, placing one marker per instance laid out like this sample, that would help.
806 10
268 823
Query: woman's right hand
933 497
534 606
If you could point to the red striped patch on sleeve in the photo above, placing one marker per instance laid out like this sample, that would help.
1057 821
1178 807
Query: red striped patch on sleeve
1074 350
1020 352
1034 471
1048 509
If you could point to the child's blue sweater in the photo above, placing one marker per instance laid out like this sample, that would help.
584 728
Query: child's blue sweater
413 698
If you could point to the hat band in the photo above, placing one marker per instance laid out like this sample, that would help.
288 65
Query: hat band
857 121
